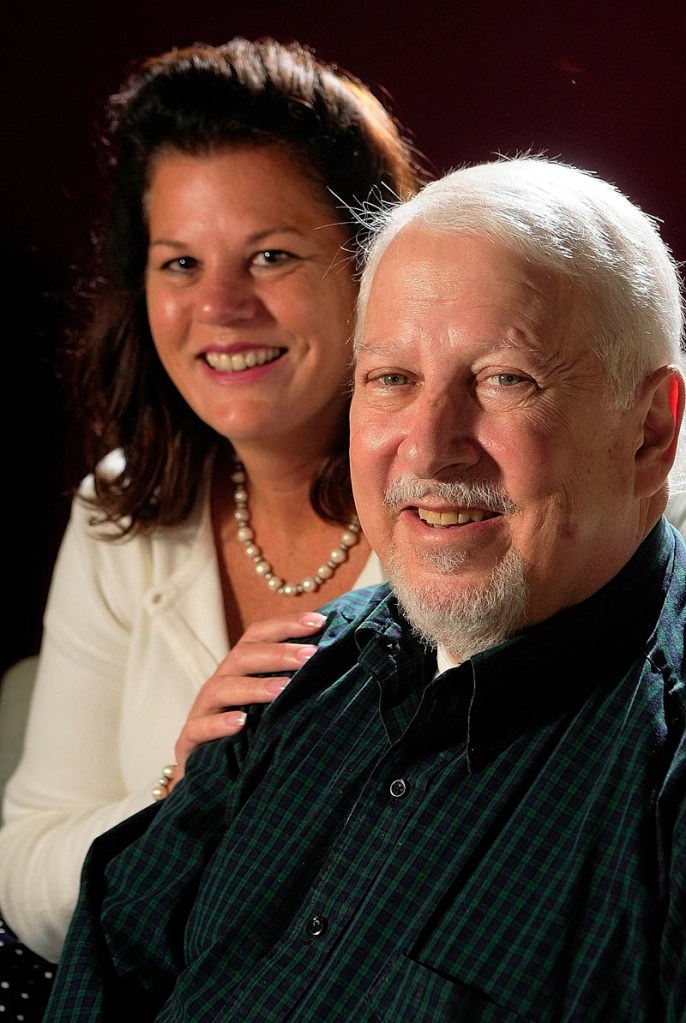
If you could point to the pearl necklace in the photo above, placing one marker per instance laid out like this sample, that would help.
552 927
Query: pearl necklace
351 535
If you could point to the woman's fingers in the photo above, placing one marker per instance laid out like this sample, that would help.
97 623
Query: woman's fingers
282 627
265 648
209 726
256 658
222 692
204 728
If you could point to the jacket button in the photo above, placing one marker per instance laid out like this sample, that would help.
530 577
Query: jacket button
398 788
316 925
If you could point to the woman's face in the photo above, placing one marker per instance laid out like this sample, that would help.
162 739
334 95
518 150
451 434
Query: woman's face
250 295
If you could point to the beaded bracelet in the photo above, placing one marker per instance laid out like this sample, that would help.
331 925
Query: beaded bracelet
161 790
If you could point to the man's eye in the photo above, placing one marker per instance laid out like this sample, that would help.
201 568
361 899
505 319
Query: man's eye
271 257
392 379
507 379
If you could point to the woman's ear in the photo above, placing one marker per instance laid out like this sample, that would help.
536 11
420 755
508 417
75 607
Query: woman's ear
661 397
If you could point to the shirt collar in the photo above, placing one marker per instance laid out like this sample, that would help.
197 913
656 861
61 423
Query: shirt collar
545 671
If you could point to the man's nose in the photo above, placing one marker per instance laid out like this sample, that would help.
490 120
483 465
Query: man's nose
441 437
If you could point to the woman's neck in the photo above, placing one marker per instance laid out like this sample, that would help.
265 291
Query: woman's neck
279 487
289 533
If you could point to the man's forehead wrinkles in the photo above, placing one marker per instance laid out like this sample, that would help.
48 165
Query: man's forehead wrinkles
424 274
420 334
375 350
430 278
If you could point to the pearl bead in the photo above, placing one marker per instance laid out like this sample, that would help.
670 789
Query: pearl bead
310 584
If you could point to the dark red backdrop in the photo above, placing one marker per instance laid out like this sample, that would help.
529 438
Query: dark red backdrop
601 84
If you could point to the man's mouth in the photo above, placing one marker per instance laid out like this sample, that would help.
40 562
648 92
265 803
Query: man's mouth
237 362
455 517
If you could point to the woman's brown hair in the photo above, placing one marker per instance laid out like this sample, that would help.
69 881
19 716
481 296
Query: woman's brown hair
198 100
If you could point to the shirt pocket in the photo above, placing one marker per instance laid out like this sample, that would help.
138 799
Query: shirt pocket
406 992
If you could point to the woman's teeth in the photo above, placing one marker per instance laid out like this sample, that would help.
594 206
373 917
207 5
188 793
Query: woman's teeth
236 362
453 518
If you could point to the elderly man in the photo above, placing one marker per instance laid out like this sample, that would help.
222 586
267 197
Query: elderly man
469 804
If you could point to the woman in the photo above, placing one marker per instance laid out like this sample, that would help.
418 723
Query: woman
215 392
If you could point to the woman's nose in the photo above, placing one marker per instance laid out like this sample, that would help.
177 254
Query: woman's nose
228 297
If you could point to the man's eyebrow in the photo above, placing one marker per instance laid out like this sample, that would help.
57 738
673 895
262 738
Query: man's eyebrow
361 347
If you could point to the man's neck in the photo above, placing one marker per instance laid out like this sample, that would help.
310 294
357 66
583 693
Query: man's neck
444 660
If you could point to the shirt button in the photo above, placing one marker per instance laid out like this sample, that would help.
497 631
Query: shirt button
398 788
316 925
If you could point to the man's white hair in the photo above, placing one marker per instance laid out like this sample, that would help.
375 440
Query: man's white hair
569 221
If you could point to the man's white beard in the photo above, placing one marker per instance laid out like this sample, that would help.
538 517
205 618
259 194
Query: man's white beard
469 620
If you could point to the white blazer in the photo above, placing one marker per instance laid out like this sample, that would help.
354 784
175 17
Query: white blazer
132 630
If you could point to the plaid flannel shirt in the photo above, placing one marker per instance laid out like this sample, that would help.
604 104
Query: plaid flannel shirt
502 842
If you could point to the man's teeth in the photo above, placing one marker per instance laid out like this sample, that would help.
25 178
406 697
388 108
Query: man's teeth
236 362
453 518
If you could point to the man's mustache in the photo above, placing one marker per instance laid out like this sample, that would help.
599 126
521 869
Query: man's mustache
410 490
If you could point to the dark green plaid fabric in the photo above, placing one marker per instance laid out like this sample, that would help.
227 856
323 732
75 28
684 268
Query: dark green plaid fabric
505 842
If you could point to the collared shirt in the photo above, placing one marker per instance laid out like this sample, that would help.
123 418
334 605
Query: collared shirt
504 841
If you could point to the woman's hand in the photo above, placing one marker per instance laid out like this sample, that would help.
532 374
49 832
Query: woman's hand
261 649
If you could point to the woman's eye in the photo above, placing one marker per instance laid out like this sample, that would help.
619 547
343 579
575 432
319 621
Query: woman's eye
392 379
271 257
181 264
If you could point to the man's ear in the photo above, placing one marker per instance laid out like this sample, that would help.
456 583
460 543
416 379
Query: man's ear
661 397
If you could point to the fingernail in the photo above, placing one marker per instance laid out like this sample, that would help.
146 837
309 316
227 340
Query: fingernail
304 653
276 685
313 618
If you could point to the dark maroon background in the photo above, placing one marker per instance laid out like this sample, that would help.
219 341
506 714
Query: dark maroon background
601 84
